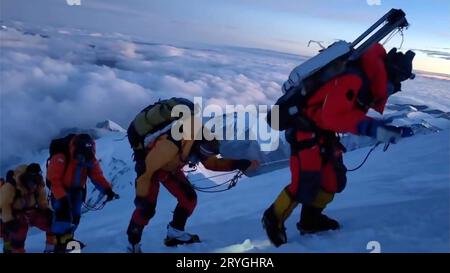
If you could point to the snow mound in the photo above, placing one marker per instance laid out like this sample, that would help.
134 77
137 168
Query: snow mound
110 126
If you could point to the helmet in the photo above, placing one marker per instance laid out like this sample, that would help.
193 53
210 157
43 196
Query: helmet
32 176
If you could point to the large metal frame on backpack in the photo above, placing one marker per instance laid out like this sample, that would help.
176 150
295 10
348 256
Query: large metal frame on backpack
308 77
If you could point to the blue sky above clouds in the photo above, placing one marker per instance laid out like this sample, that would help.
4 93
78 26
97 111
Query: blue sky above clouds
285 25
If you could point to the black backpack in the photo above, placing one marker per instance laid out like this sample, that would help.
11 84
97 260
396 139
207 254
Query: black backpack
60 146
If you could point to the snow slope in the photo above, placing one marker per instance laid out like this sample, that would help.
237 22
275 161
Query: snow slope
399 198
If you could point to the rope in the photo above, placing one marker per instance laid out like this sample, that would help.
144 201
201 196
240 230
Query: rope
390 36
274 162
214 176
403 39
400 30
238 174
349 170
367 156
231 183
95 207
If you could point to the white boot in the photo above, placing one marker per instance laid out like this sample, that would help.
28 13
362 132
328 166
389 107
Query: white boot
174 233
177 237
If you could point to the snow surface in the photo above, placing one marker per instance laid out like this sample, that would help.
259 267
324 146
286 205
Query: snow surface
110 125
399 198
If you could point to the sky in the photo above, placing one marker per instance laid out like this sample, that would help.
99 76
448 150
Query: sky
282 25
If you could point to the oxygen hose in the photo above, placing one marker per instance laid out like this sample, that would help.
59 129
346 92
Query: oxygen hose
238 174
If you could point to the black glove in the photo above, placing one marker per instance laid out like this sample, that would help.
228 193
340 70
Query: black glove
399 65
11 226
111 195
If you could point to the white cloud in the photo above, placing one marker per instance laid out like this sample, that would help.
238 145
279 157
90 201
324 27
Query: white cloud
61 78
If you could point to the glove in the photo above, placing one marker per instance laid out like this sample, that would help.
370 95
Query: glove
399 65
380 131
388 134
11 226
407 132
111 195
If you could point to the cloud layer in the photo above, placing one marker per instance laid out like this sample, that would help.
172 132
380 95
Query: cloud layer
436 53
55 78
59 78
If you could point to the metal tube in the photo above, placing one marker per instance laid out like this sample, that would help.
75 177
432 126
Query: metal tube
376 37
372 28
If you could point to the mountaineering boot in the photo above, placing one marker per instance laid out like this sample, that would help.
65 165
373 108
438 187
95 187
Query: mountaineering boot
275 229
178 237
312 220
134 248
274 217
67 244
134 233
61 242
